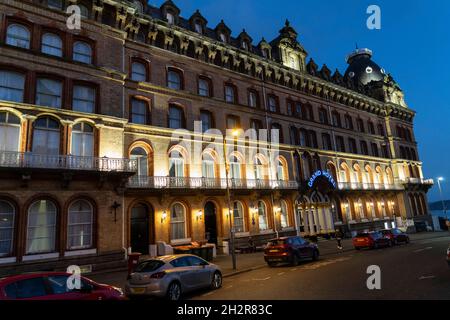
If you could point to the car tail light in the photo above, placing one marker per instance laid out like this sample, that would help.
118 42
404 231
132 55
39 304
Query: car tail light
158 275
448 252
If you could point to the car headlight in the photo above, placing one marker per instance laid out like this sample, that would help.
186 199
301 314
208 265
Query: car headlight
119 290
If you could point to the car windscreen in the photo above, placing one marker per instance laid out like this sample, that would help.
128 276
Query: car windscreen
149 266
276 242
362 235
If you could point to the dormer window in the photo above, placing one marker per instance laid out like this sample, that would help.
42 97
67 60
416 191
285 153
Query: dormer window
198 28
244 45
170 18
223 38
265 53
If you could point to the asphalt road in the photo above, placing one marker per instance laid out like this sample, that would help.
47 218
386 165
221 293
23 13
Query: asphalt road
414 271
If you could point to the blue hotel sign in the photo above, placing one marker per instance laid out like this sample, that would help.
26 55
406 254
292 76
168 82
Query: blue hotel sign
321 173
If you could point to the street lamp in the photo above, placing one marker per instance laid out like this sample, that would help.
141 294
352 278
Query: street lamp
444 208
235 133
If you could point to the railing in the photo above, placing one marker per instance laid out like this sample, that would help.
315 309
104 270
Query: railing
369 186
417 181
144 182
10 159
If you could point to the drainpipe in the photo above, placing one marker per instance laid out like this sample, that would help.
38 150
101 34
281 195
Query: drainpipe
125 250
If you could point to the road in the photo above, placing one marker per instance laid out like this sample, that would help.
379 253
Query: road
414 271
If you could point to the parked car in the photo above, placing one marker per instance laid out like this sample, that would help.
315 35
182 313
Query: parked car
171 276
53 286
448 255
289 250
396 236
421 226
372 240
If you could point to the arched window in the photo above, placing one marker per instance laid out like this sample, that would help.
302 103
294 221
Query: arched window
281 172
204 87
84 11
206 118
238 215
12 85
83 140
49 93
170 18
176 117
80 225
139 7
41 230
235 168
9 132
139 114
262 216
52 45
141 157
174 79
138 72
284 218
55 4
82 52
258 169
230 94
276 133
83 99
46 136
208 166
18 36
359 209
7 215
176 165
198 28
177 222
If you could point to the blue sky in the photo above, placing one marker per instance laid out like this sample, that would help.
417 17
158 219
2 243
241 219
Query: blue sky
413 45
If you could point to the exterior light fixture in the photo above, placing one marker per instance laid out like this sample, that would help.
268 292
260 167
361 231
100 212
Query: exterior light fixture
164 216
199 215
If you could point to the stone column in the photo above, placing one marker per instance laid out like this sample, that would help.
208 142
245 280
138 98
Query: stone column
329 219
320 223
316 219
311 222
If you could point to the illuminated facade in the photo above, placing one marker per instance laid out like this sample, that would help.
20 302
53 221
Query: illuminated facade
89 166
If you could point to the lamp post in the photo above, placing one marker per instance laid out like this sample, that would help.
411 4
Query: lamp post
444 208
230 220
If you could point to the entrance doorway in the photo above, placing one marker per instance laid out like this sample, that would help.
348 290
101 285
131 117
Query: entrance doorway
211 222
140 228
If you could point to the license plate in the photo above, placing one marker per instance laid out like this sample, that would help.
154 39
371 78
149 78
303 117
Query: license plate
360 240
138 290
273 250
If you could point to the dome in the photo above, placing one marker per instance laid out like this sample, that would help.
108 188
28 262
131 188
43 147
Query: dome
362 69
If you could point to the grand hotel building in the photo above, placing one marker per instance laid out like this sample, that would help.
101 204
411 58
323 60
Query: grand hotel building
89 167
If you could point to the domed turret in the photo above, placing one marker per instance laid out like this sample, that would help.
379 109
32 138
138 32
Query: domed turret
362 69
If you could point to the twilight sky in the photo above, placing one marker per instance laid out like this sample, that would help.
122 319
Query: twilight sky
413 45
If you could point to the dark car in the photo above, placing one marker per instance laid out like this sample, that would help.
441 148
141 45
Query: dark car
396 236
448 255
53 286
289 250
421 226
372 240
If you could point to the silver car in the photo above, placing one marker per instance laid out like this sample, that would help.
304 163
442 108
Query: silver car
171 276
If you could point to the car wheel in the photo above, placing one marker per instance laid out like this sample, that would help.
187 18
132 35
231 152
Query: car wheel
295 261
315 255
357 248
216 281
174 291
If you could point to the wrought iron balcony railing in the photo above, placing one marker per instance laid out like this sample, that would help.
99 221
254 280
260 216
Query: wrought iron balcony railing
369 186
10 159
417 181
144 182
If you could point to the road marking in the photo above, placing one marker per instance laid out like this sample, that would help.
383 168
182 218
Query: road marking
280 274
295 269
423 249
207 294
264 279
426 277
229 287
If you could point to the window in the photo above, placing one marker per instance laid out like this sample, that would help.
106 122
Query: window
25 289
177 222
238 215
46 136
255 125
235 168
84 11
276 133
360 124
176 165
385 151
41 231
273 105
52 45
326 140
258 169
82 52
340 144
312 139
206 119
83 140
12 86
281 172
139 111
348 122
371 127
18 36
208 167
284 219
380 129
79 225
323 117
294 136
307 112
336 118
7 215
55 4
233 122
262 216
290 107
170 18
83 99
304 138
174 80
364 149
352 145
141 157
230 94
204 88
223 38
375 150
176 118
298 110
138 72
198 28
49 93
253 99
9 132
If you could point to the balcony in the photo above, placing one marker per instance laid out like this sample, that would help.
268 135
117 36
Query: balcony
418 181
347 186
139 182
65 162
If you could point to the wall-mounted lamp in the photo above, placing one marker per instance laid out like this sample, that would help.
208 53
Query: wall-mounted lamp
254 210
114 208
199 215
164 216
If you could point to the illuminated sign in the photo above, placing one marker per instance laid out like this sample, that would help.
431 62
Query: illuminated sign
321 173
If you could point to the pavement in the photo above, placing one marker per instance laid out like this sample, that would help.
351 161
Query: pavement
252 262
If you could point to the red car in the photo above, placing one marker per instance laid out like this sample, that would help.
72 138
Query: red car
372 240
289 250
396 236
53 286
